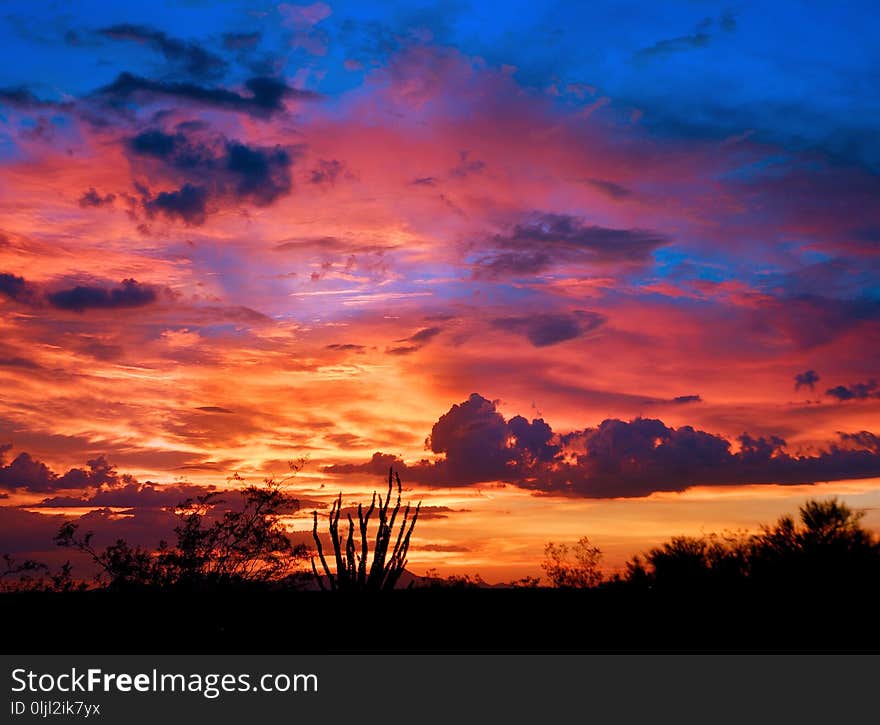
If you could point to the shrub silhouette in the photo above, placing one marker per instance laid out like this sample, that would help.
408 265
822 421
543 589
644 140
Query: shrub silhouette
583 572
213 547
32 575
688 561
825 545
354 571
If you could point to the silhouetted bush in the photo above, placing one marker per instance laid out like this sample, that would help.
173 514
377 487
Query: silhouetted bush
213 547
826 545
32 575
583 572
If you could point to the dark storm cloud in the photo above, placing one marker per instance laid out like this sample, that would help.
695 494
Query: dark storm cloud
265 94
130 293
28 474
18 289
543 240
473 436
188 204
616 458
856 391
544 330
191 58
806 379
685 399
261 175
162 145
213 168
639 457
93 198
478 444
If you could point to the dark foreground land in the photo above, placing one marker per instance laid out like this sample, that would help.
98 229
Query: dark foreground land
443 620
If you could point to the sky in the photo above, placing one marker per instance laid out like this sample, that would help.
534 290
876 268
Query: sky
606 269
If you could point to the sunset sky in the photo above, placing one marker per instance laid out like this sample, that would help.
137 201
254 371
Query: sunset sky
606 269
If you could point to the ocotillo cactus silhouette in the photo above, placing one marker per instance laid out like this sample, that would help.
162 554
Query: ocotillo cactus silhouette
353 570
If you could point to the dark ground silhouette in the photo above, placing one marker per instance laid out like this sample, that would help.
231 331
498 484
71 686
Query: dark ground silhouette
233 581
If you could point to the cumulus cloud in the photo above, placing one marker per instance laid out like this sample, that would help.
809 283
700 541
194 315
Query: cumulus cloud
211 167
477 444
617 458
28 474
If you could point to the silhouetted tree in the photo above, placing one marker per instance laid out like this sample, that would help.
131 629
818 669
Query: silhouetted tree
688 561
32 575
214 546
354 571
585 571
827 544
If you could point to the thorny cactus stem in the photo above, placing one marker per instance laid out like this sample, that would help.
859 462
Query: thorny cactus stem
352 572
